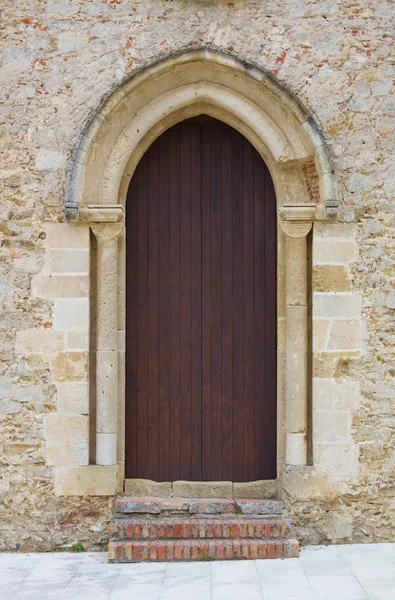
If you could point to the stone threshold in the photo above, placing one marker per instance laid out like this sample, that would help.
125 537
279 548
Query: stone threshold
202 489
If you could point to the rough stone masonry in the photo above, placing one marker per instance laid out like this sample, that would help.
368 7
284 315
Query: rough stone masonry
59 60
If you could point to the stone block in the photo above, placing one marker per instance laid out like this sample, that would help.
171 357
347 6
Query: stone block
345 335
130 504
261 507
39 341
256 490
203 489
66 427
331 278
331 426
341 231
346 394
60 286
66 235
70 366
71 314
320 333
211 506
67 453
77 340
323 393
334 251
66 262
339 461
73 397
147 487
92 480
50 160
336 305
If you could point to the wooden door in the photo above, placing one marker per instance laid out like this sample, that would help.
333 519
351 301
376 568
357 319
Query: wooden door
201 309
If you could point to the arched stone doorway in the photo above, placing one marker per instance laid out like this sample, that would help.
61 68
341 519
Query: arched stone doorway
199 81
201 314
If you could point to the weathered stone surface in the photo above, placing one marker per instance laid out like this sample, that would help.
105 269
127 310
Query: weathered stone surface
255 489
331 278
211 506
128 504
261 507
146 487
203 489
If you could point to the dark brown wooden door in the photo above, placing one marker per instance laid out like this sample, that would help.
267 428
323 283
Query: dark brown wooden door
201 309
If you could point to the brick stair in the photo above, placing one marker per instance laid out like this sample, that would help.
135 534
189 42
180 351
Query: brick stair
182 529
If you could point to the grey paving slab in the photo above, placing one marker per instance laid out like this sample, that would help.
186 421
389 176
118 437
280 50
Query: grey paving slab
349 572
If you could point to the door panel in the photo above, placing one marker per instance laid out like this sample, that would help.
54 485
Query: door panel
201 309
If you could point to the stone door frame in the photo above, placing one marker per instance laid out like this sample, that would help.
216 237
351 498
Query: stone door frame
249 99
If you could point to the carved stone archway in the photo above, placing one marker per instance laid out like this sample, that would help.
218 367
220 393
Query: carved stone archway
249 99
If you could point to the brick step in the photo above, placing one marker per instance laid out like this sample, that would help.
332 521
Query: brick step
185 550
215 527
125 505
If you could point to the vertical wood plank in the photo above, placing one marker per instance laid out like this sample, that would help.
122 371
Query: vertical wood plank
185 299
175 306
237 310
226 299
249 397
142 325
216 303
132 319
164 309
206 306
196 302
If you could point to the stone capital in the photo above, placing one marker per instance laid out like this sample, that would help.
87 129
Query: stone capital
297 219
99 213
106 231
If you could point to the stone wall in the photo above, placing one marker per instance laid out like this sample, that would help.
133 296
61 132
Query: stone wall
60 60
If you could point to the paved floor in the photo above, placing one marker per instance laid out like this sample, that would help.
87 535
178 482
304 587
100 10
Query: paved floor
321 573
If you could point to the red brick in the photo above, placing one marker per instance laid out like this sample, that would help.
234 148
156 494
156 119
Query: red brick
262 549
250 530
220 550
177 530
169 531
203 550
259 528
225 530
229 550
194 529
154 530
170 550
254 550
210 530
129 530
162 551
212 549
243 530
111 529
194 550
161 531
177 550
119 551
271 549
235 529
279 550
268 529
137 552
245 549
186 551
218 530
145 551
185 530
275 530
153 551
236 549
